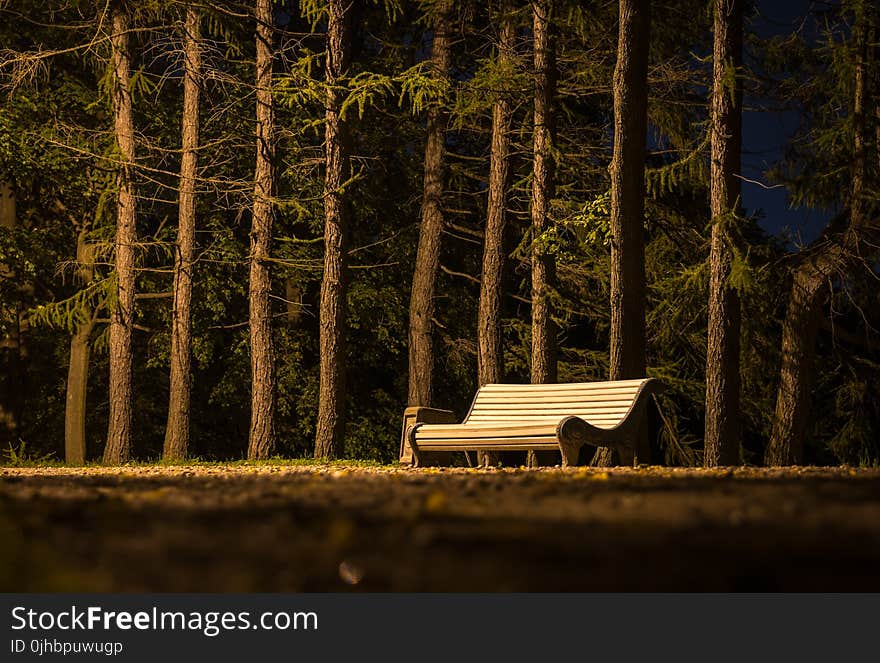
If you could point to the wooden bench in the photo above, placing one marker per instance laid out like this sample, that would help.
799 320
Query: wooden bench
533 417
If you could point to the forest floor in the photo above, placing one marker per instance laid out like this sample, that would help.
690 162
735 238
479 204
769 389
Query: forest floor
335 527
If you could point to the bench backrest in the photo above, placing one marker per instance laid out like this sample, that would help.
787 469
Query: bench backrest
603 404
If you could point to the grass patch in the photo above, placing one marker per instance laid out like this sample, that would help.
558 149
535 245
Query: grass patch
19 457
275 461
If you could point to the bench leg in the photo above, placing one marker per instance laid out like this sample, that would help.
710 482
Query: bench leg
542 458
570 452
572 433
424 458
531 458
416 457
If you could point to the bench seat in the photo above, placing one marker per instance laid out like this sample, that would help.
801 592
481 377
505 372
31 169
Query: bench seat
533 418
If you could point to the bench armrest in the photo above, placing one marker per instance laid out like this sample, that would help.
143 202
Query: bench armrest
417 414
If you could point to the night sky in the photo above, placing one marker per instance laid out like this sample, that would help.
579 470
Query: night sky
765 134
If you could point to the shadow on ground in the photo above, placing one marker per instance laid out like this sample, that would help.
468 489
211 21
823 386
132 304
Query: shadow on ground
332 528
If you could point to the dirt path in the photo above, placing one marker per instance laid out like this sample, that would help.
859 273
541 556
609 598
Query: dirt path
328 528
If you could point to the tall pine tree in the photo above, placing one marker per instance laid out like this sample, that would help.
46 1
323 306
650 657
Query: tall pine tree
177 429
331 395
424 283
118 446
722 438
628 351
263 396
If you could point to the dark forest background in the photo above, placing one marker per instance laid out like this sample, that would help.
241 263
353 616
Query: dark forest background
59 172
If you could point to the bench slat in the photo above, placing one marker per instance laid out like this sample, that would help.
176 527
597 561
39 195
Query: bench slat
561 388
485 430
451 444
538 389
513 420
554 398
547 412
556 406
536 419
556 386
558 401
516 415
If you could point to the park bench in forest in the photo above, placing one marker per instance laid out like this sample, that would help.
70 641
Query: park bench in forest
533 417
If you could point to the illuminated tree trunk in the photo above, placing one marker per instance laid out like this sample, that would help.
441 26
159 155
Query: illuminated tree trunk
543 364
78 367
329 437
178 426
118 446
543 263
490 358
490 351
262 432
421 309
722 352
628 205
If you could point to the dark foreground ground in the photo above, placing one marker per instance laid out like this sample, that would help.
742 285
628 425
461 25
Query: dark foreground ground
330 528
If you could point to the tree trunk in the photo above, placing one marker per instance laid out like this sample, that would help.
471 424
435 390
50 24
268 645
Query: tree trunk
329 436
78 368
490 357
7 206
262 434
490 351
543 359
421 308
811 283
543 362
628 205
722 443
118 447
795 376
293 295
77 388
10 347
178 425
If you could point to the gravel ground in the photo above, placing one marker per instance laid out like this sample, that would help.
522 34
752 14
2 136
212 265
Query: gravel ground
286 528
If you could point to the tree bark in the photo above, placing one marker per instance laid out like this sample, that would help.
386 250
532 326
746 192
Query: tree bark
628 205
799 333
722 434
827 260
118 447
10 347
7 206
490 357
329 436
543 263
543 360
78 368
490 350
262 433
421 308
177 428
